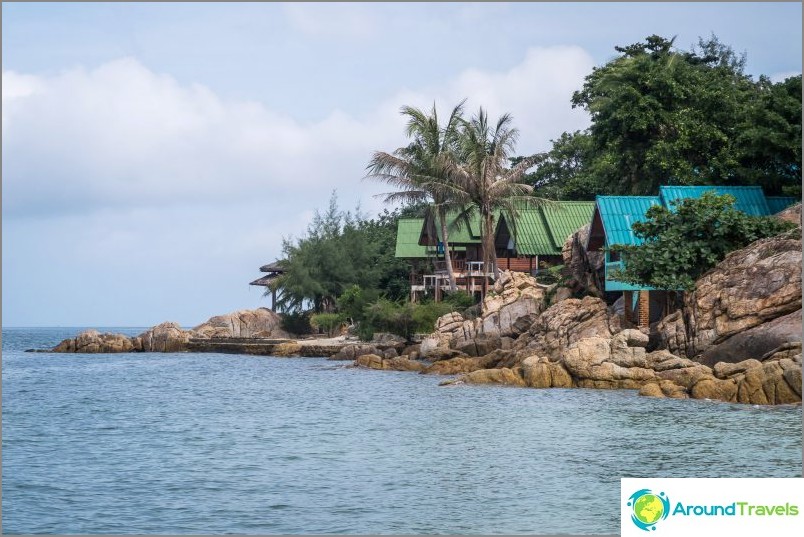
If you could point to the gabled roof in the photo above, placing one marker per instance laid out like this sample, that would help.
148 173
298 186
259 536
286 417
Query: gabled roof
564 218
618 214
777 204
530 233
407 238
750 199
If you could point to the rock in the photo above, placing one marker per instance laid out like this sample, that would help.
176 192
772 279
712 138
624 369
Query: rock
758 341
671 334
403 364
389 353
791 214
260 322
664 361
561 293
633 338
480 346
454 366
350 352
725 370
371 361
686 376
540 373
716 389
566 323
386 339
790 350
441 353
750 287
287 349
582 269
165 337
504 376
92 341
651 390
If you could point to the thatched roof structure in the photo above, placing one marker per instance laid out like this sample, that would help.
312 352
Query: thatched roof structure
265 281
273 267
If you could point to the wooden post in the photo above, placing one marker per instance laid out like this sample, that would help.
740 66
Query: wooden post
273 300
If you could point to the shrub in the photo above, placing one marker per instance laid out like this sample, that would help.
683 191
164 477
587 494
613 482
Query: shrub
327 321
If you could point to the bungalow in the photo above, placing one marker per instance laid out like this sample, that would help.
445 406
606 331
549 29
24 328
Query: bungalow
611 224
533 240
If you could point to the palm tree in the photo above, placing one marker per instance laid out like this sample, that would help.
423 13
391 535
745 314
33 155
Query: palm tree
485 179
419 170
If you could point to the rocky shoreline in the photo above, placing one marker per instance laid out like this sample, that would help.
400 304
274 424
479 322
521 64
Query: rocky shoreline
738 337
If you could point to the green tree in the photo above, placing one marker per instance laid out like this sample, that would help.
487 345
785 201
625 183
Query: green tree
418 169
682 243
340 250
483 180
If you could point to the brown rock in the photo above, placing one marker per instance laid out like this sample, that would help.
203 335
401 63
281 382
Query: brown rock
260 322
165 337
504 376
372 361
757 342
287 349
403 364
453 366
717 389
725 370
540 373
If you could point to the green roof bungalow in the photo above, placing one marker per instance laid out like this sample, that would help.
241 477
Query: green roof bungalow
613 217
537 235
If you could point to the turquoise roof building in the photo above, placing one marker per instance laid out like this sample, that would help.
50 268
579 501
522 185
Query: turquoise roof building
614 215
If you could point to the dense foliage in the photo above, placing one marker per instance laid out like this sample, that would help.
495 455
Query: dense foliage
340 249
684 242
662 116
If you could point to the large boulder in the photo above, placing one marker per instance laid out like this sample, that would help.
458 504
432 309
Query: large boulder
165 337
756 342
582 269
751 287
92 341
566 323
260 322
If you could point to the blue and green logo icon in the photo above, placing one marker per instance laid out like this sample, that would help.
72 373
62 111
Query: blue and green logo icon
648 508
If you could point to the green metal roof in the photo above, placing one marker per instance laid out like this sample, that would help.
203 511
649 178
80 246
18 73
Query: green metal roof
750 199
407 238
778 204
618 214
564 218
530 233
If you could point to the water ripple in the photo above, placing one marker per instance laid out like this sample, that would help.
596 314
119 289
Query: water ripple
214 444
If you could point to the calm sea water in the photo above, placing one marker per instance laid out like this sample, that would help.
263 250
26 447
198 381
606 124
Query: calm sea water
210 443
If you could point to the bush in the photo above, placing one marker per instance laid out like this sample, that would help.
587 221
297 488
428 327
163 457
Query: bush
327 321
683 243
297 323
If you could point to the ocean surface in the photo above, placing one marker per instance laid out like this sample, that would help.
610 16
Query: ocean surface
212 443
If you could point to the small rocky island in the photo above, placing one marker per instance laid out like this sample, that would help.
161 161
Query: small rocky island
736 339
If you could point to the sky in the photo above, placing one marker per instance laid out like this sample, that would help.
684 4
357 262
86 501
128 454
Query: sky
155 155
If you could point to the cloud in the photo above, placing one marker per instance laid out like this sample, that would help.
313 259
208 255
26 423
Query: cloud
122 135
326 20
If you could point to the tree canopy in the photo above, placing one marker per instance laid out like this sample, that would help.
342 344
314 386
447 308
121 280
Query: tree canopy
660 115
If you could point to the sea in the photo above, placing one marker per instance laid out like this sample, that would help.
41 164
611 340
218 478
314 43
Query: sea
150 443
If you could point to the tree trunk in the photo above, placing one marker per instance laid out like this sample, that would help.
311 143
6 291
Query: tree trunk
488 241
447 254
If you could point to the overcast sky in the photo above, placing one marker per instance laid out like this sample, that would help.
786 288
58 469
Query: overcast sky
155 155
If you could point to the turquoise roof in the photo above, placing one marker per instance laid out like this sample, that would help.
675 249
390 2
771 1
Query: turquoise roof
618 214
777 204
750 199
